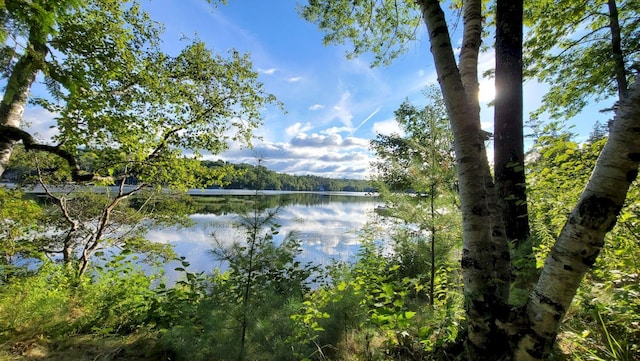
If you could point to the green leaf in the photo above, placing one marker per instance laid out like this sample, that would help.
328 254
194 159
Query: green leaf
342 286
409 314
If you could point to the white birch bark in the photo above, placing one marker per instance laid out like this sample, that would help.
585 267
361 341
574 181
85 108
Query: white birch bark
582 237
471 40
11 112
485 258
16 96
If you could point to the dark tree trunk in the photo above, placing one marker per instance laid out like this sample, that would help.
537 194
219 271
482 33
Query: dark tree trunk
508 123
616 49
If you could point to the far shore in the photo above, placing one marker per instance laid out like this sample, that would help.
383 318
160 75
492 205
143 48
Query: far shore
38 189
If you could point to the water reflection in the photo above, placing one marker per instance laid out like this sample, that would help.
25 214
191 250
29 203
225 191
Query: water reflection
326 225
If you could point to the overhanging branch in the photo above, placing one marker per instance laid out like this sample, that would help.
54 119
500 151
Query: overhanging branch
16 134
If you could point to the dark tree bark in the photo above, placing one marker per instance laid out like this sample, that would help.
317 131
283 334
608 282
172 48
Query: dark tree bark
616 50
508 123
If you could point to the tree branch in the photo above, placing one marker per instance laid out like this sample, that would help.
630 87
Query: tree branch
17 134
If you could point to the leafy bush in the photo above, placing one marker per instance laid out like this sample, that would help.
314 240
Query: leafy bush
40 304
244 313
118 299
370 310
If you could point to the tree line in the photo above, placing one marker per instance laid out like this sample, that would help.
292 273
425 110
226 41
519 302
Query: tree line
248 176
236 176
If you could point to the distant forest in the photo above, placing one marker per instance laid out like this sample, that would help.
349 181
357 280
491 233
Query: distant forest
259 177
244 176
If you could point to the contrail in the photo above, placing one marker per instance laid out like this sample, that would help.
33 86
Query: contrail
366 119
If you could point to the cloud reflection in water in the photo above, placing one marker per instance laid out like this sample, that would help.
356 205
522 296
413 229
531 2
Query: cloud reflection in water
327 230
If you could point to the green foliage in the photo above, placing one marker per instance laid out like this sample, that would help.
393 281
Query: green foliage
374 310
243 313
557 175
18 221
129 108
214 174
421 160
606 305
37 304
258 261
417 178
383 28
117 299
178 305
51 301
246 176
129 113
568 46
371 308
412 252
148 107
406 303
75 225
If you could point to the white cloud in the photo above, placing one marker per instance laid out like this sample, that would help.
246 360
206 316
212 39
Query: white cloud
315 140
269 71
387 127
325 154
328 142
40 123
297 128
316 107
341 110
294 79
356 142
335 130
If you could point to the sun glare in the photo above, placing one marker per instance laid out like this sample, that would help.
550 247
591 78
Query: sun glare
487 91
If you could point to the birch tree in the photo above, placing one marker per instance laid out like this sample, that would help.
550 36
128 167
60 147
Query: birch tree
35 23
112 88
496 330
137 114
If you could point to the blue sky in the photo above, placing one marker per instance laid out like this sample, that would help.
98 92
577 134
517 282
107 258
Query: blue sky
334 106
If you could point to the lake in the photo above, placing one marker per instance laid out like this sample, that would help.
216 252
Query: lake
326 223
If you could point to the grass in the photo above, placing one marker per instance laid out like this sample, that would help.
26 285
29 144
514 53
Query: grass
136 347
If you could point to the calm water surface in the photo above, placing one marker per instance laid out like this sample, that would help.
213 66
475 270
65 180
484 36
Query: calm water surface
327 224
